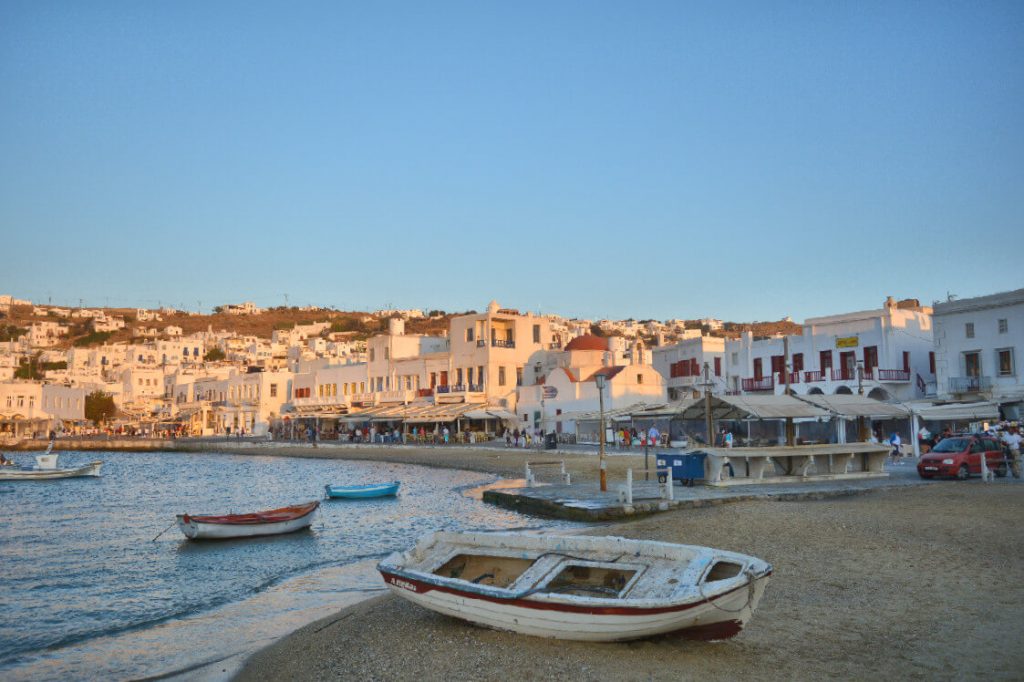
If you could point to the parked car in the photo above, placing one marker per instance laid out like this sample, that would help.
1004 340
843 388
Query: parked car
960 456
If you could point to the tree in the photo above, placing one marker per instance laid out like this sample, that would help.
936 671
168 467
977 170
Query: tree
214 354
99 407
595 329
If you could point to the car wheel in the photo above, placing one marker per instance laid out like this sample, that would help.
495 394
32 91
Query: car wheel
963 473
1001 471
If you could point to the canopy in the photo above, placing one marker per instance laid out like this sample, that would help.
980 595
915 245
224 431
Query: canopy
852 406
735 407
955 411
616 414
491 413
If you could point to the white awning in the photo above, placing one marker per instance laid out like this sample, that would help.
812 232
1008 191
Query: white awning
956 411
851 406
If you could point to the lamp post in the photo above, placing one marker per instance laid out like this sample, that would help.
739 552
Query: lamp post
600 380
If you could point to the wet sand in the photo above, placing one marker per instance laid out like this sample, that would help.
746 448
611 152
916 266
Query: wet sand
911 583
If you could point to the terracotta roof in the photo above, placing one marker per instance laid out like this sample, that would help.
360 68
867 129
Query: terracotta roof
609 372
587 342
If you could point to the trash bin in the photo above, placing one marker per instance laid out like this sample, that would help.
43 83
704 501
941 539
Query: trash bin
551 441
686 468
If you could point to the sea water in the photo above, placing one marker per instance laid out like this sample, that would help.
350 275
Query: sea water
85 591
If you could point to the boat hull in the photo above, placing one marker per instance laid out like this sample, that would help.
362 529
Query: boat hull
719 617
91 469
362 492
196 529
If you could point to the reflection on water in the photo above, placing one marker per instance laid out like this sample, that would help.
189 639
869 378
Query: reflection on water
87 590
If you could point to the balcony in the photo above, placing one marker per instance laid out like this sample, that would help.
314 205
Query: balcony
457 388
794 378
969 384
850 374
893 374
442 389
362 398
481 343
397 396
813 377
554 346
498 343
765 384
476 388
425 392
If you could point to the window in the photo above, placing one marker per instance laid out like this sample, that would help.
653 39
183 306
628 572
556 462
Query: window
501 376
972 364
519 376
1004 358
469 376
536 333
273 390
639 378
798 362
735 358
458 375
371 354
387 353
718 367
1003 326
969 329
469 334
931 362
480 374
870 357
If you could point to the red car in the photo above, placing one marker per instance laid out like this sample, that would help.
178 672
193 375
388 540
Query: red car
960 457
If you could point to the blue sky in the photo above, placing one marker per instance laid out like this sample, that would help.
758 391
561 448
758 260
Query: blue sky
645 159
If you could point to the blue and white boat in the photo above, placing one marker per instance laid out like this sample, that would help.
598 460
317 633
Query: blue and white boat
360 492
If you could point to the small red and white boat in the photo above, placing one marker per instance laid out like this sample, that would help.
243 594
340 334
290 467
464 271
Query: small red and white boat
227 526
601 589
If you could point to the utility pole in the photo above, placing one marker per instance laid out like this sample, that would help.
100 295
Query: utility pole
600 380
709 421
790 431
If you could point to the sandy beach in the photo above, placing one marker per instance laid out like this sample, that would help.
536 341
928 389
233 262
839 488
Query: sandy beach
919 583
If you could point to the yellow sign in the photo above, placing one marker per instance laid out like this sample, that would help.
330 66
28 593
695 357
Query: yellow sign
847 342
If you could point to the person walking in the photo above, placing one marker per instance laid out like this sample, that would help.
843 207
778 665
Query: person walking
1012 439
894 443
445 433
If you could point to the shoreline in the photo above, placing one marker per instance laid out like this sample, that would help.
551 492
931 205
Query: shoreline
866 586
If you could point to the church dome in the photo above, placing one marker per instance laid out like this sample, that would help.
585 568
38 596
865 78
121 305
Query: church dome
587 342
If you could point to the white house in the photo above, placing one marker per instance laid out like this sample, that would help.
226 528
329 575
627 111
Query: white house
977 344
885 353
682 365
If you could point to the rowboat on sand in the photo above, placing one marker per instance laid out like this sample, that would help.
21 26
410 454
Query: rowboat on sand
363 491
601 589
46 469
227 526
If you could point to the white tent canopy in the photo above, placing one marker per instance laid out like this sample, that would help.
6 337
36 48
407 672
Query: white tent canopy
852 406
976 411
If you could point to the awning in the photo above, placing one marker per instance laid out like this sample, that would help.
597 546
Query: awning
853 406
491 413
982 410
738 407
616 414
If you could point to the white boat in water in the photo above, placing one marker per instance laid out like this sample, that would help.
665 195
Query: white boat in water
46 469
256 524
601 589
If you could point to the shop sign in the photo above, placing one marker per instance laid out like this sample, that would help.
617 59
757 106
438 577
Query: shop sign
847 342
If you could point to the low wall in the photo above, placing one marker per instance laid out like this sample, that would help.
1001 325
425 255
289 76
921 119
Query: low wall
138 444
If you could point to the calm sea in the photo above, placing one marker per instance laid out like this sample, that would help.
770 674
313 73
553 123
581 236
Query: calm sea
86 592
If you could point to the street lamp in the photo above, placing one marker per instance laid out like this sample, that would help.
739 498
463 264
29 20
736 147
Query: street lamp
601 380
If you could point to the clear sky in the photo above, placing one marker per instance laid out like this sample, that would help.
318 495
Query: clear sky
744 160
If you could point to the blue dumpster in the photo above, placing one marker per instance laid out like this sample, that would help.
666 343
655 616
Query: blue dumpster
685 468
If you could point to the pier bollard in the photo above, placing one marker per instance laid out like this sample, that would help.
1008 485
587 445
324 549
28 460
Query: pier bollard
986 473
669 492
565 475
529 476
629 486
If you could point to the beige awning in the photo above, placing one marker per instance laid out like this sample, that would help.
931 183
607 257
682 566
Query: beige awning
852 406
738 407
982 410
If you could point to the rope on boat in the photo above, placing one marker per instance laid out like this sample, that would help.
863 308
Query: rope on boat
750 593
164 530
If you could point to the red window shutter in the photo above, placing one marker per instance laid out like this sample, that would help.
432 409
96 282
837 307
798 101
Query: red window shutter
718 367
931 362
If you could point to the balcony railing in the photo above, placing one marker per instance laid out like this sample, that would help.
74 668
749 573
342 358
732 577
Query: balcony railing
894 375
362 397
554 346
442 389
969 384
498 343
794 378
813 376
851 374
476 388
764 384
481 343
458 388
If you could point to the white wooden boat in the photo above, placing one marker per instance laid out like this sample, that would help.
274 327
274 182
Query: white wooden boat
602 589
46 469
228 526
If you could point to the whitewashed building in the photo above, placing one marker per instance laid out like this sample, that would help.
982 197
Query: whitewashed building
885 354
978 342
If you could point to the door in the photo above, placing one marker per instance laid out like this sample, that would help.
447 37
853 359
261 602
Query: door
848 364
972 364
758 370
825 361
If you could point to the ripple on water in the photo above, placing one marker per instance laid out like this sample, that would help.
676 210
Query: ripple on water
82 572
